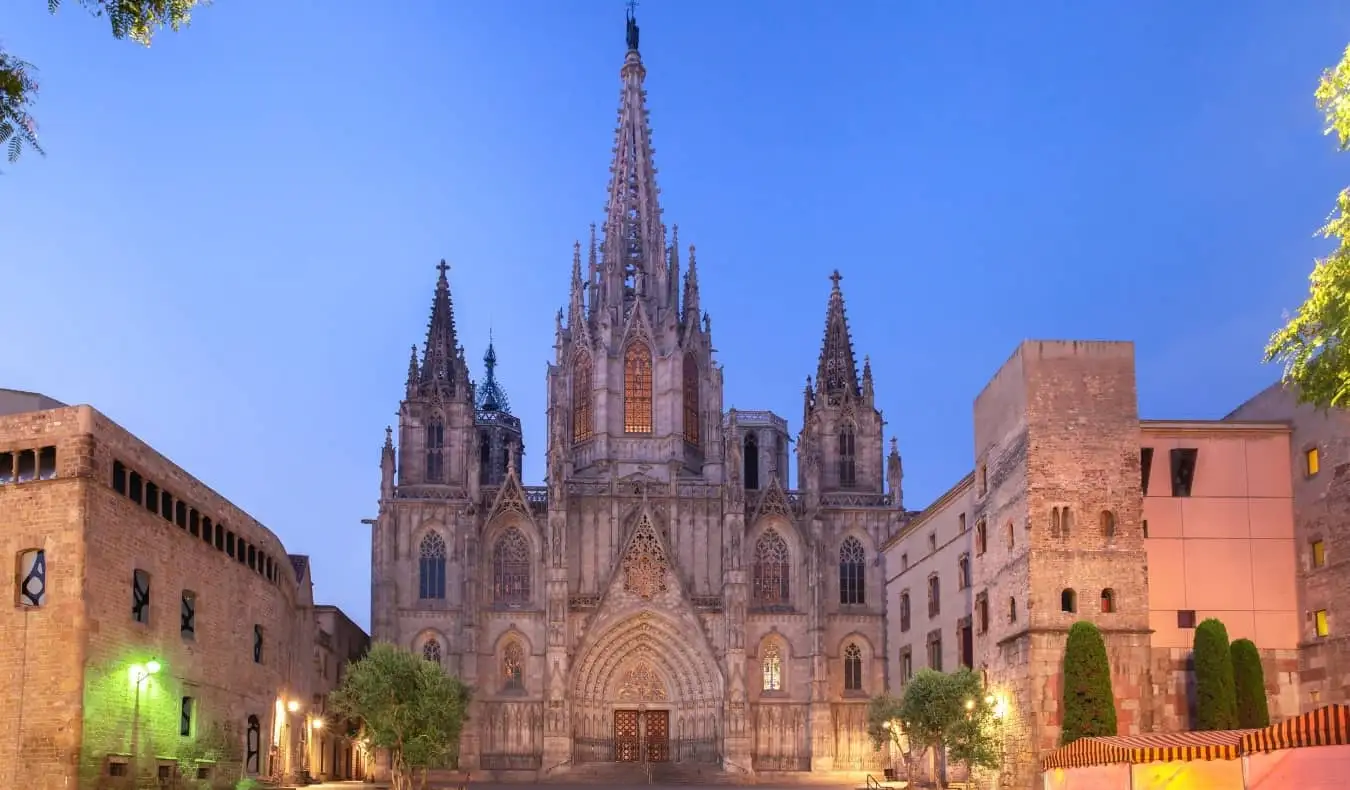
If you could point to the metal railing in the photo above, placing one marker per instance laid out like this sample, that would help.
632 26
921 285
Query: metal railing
704 751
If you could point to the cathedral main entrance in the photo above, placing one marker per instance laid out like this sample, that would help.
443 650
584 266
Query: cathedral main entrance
642 735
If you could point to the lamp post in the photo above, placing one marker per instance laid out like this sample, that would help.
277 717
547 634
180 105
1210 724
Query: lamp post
140 673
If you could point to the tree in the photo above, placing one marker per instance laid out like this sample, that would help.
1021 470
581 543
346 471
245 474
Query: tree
885 725
138 20
951 712
1215 695
1249 682
1312 346
407 705
1089 704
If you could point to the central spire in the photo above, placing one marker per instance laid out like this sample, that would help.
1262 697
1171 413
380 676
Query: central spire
634 250
837 372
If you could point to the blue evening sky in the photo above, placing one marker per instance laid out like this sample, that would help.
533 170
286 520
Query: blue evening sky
231 243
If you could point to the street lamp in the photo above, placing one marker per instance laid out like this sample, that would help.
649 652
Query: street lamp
293 706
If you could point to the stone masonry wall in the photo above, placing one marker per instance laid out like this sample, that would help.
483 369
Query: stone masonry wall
1174 679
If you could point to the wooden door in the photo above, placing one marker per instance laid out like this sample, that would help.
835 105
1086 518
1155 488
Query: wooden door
626 741
658 735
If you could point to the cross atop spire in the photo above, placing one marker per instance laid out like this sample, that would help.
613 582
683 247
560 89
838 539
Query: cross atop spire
443 267
835 278
837 373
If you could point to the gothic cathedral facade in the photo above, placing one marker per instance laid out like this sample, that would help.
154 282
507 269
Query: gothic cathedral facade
667 595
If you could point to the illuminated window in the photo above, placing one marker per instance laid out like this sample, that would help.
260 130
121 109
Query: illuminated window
773 668
431 651
1312 461
852 668
1319 554
513 667
1320 624
637 389
691 406
582 426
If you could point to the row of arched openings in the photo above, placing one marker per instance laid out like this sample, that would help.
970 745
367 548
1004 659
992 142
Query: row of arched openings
771 667
1061 522
770 572
1068 601
510 567
637 394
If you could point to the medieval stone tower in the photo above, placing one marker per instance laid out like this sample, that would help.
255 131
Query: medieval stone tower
665 596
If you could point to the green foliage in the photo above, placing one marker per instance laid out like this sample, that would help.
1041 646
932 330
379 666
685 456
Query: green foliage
952 711
1089 704
1215 695
1249 685
137 20
883 720
1312 345
407 705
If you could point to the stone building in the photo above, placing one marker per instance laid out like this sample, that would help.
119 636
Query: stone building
157 631
665 595
1077 509
1320 458
332 751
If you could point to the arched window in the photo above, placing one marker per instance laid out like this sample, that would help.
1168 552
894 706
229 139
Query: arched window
511 568
852 562
1108 524
847 464
485 470
773 668
963 572
1108 601
853 668
770 574
1012 538
637 389
431 650
513 667
1068 601
582 392
1055 528
431 567
691 405
435 447
751 461
1066 521
253 746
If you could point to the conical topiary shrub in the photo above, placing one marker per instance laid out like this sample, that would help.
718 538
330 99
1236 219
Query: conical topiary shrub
1215 693
1249 684
1089 706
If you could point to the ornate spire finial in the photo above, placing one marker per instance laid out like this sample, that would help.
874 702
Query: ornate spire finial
632 26
835 278
443 267
837 372
439 360
388 437
491 396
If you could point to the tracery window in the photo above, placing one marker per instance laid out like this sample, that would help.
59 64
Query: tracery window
435 447
852 574
431 650
511 568
848 477
691 401
431 567
582 382
852 667
772 665
637 389
770 573
513 667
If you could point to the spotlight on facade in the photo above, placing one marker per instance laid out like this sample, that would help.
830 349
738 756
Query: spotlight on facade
152 667
293 706
1001 707
989 700
318 724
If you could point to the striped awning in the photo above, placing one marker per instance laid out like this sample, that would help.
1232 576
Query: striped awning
1152 748
1329 726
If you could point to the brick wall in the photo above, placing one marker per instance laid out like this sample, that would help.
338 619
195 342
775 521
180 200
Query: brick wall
108 714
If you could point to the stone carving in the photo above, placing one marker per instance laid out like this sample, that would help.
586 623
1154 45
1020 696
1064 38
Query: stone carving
645 566
642 684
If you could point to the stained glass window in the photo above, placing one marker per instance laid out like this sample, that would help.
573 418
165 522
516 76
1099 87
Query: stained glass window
511 568
773 668
431 650
637 389
431 567
691 405
582 383
513 667
770 574
852 667
852 576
